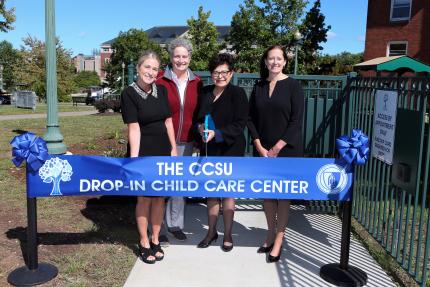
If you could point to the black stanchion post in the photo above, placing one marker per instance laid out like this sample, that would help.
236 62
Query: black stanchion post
34 273
342 274
346 234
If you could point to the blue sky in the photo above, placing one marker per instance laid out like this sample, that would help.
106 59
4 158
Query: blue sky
83 25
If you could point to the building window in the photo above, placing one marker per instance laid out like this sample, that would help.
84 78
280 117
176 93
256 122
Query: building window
397 48
400 10
107 60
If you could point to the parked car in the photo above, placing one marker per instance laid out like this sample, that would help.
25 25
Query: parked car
4 100
94 93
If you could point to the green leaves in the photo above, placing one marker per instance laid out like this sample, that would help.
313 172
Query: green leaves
127 48
258 25
8 17
85 79
203 35
29 71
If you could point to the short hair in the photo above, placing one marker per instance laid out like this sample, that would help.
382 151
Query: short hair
146 55
221 59
264 72
180 42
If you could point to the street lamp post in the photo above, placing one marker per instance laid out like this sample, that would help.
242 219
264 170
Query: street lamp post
130 72
122 78
298 37
1 78
53 136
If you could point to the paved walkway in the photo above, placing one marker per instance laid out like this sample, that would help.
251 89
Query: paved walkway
312 240
40 116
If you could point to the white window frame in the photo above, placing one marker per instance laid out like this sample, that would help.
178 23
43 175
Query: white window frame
403 18
396 42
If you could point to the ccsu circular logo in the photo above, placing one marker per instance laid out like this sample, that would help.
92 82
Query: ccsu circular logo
331 178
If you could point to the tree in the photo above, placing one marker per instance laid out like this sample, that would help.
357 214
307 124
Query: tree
8 16
204 37
55 170
85 79
8 58
127 47
247 35
30 70
314 33
338 64
258 25
110 79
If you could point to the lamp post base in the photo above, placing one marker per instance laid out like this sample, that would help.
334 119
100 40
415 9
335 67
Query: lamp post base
352 276
23 276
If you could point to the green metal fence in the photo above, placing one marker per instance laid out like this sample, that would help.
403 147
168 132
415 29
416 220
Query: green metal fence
325 118
322 123
397 218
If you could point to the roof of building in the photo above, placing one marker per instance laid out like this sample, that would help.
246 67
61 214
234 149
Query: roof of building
393 64
165 34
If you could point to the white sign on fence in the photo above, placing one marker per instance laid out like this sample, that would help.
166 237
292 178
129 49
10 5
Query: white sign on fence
384 125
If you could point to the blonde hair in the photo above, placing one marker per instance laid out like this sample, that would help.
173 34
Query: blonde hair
146 55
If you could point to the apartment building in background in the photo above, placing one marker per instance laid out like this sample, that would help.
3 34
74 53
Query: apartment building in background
398 27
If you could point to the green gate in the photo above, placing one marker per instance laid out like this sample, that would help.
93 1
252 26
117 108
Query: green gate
395 217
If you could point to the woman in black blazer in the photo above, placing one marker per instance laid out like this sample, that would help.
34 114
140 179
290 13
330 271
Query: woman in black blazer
276 119
227 105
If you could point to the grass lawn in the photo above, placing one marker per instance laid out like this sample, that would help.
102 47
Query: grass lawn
42 108
90 240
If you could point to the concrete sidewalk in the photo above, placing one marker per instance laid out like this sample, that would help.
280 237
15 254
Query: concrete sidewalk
40 116
312 240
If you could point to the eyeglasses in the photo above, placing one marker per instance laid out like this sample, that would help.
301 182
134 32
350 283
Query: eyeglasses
216 74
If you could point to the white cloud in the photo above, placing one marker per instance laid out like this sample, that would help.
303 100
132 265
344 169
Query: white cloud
82 34
361 38
331 35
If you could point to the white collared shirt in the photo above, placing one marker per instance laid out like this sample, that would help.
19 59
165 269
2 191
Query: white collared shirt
182 85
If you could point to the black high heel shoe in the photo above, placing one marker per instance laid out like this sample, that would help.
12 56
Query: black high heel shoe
145 253
265 249
272 259
226 248
204 244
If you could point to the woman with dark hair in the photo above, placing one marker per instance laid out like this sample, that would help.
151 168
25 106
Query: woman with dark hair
227 105
275 123
145 110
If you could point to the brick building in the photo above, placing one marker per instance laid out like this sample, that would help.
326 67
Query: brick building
398 27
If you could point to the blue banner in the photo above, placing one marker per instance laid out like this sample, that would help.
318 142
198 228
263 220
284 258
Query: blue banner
240 177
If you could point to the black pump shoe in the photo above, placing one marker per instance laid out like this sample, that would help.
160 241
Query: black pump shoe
226 248
204 244
265 249
272 259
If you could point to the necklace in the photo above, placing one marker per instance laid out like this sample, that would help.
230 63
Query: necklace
144 94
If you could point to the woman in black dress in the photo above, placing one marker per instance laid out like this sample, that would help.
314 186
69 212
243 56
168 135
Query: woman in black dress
276 119
228 107
146 112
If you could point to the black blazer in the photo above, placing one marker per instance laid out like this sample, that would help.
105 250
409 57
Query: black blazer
230 114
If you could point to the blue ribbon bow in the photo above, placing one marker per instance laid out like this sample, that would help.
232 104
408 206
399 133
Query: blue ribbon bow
354 149
31 148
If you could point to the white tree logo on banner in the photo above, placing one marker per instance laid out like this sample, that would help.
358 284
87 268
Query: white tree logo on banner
55 170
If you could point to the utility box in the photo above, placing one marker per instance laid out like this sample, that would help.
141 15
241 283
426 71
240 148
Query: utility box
407 148
25 99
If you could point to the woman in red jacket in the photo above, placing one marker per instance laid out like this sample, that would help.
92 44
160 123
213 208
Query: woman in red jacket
182 88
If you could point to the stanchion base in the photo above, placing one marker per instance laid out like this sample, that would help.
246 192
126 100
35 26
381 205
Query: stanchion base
23 276
334 274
